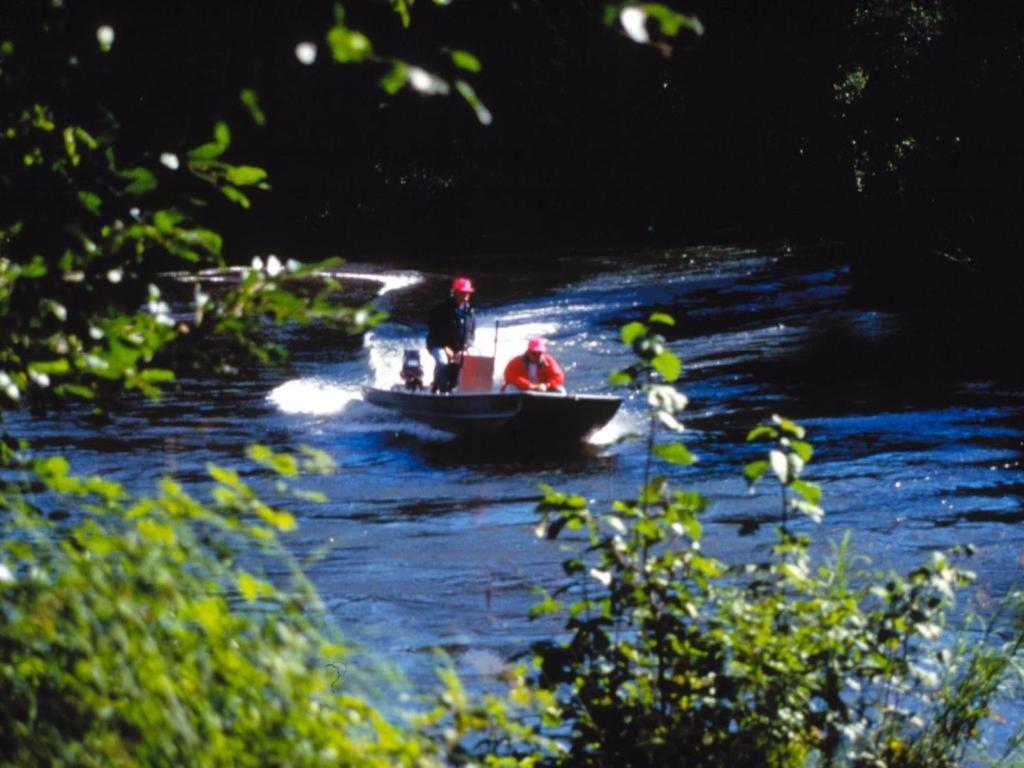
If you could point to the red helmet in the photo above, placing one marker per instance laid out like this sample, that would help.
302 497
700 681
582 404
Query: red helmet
462 285
536 344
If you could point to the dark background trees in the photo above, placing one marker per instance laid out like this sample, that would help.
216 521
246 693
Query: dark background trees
883 123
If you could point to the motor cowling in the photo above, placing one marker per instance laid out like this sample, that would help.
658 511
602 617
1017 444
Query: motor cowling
412 370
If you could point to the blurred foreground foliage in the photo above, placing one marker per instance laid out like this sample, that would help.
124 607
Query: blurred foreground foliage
130 633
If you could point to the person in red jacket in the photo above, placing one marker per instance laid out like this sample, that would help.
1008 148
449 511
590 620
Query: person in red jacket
535 370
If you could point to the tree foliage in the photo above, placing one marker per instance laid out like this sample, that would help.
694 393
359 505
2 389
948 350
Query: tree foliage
102 251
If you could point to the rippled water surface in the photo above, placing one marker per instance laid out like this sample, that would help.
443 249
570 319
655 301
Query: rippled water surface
430 543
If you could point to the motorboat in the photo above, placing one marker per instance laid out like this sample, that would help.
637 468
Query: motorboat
473 409
549 415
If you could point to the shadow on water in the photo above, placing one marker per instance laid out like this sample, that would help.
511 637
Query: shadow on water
393 510
504 456
912 363
982 516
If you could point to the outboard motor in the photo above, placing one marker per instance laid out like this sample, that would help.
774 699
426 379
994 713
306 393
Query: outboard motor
412 370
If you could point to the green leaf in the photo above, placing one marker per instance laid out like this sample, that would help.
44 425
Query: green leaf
71 146
466 60
627 508
99 544
316 460
36 267
802 449
19 549
632 331
154 531
810 491
222 134
259 453
670 21
313 497
58 366
244 175
90 200
207 238
54 466
85 138
575 502
620 378
661 317
396 78
401 7
348 46
690 501
652 492
674 453
235 195
249 98
247 585
250 587
107 489
78 390
166 220
483 114
668 365
762 431
786 425
282 463
223 476
143 180
157 375
285 464
755 470
692 527
211 150
649 529
546 607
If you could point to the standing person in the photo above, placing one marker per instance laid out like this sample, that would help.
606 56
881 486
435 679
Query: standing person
535 370
451 329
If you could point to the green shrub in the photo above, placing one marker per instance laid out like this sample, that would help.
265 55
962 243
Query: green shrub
671 657
131 635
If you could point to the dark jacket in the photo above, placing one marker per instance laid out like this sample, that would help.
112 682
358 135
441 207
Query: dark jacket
448 327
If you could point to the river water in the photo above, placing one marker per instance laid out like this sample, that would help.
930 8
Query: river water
429 543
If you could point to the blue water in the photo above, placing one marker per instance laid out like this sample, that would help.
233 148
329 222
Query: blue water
430 544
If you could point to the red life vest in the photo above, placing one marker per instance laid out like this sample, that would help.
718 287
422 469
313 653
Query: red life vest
517 372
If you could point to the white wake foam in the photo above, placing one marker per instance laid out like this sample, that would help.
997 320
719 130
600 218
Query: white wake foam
624 423
313 396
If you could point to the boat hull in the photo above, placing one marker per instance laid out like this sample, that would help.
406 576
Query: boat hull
553 417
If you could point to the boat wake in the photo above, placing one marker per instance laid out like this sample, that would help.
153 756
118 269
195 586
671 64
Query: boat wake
314 397
621 426
319 397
